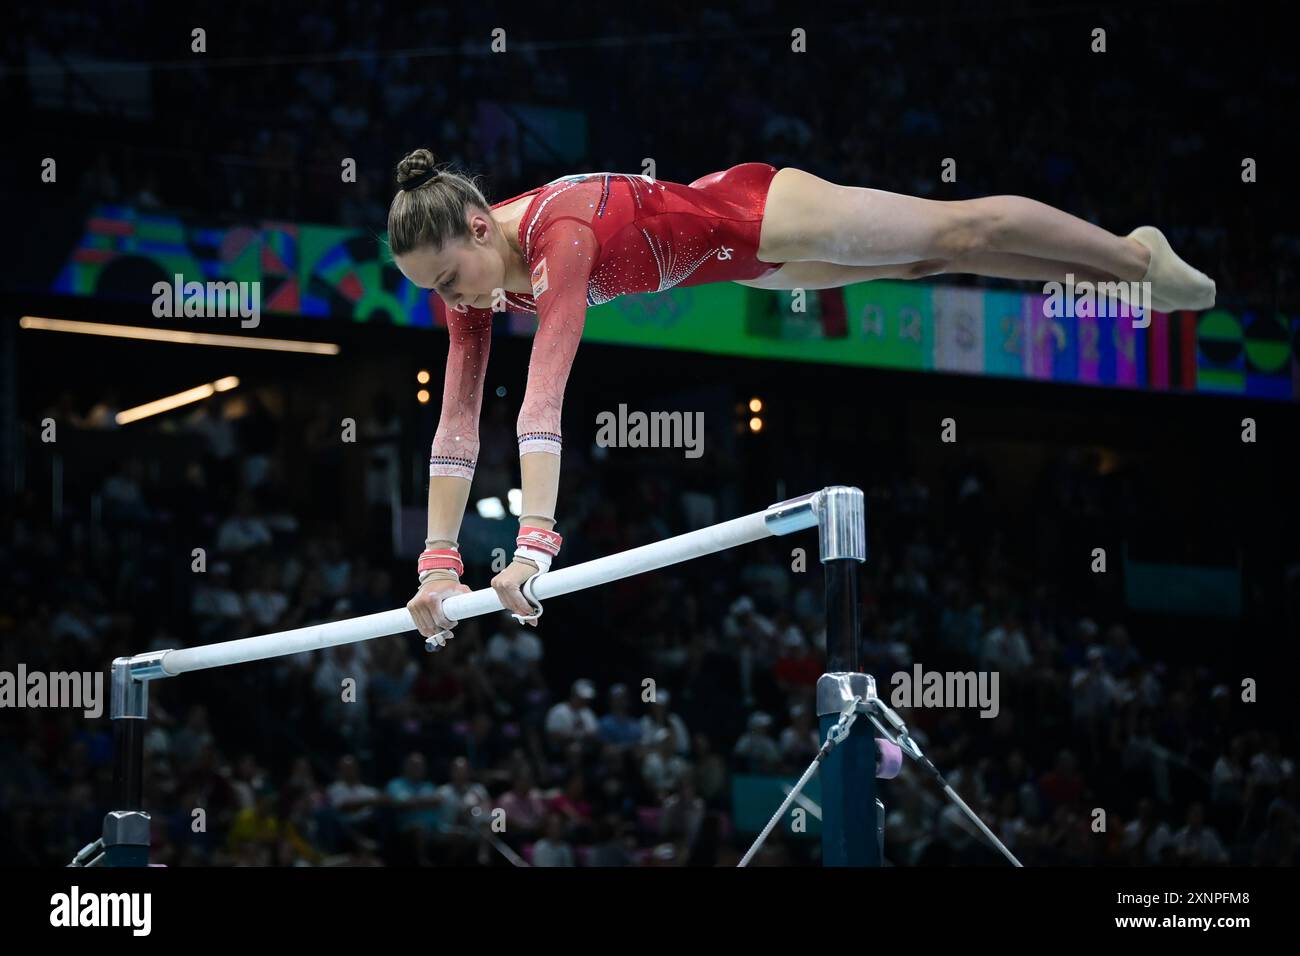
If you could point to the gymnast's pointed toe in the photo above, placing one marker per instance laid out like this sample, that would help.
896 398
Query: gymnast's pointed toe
1174 283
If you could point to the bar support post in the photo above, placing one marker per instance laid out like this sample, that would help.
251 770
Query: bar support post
850 811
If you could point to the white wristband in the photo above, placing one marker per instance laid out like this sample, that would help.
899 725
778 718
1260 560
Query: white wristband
538 557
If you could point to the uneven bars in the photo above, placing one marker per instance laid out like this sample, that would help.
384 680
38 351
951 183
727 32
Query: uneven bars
781 518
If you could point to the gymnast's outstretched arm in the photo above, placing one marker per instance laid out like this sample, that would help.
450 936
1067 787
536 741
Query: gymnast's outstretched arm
451 466
563 256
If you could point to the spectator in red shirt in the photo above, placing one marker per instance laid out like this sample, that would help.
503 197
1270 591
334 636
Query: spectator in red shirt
1062 786
524 807
439 690
571 804
798 667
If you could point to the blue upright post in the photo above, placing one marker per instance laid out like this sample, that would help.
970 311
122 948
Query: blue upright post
850 814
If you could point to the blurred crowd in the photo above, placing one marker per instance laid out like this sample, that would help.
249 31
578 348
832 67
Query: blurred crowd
616 732
265 141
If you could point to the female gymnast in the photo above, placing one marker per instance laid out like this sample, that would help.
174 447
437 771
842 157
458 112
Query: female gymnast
582 240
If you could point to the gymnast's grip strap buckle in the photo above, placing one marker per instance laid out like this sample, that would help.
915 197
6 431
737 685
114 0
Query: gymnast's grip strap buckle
526 589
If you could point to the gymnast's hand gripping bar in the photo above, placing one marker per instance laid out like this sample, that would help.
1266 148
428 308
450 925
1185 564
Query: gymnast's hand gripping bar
816 509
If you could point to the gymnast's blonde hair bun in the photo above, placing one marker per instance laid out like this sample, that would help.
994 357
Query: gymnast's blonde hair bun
414 165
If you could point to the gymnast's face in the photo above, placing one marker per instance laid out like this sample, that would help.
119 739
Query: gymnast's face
464 271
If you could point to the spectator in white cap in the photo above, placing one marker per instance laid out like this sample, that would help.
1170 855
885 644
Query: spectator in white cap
751 637
660 718
662 769
512 653
799 741
573 719
756 751
1092 689
619 727
744 624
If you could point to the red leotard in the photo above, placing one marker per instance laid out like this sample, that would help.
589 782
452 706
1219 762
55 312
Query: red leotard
586 239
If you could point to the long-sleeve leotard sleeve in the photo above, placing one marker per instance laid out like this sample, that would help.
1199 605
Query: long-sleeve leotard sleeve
455 444
563 256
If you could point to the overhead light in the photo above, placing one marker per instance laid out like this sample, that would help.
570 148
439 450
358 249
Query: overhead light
756 405
490 508
187 397
515 499
422 396
756 424
177 336
422 376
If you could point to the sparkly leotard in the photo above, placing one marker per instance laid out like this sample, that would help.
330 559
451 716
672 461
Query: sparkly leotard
586 239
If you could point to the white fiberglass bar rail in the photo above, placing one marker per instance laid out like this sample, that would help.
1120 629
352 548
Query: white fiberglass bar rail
777 519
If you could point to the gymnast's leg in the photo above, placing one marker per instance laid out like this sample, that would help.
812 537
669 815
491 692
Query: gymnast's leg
809 218
829 275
